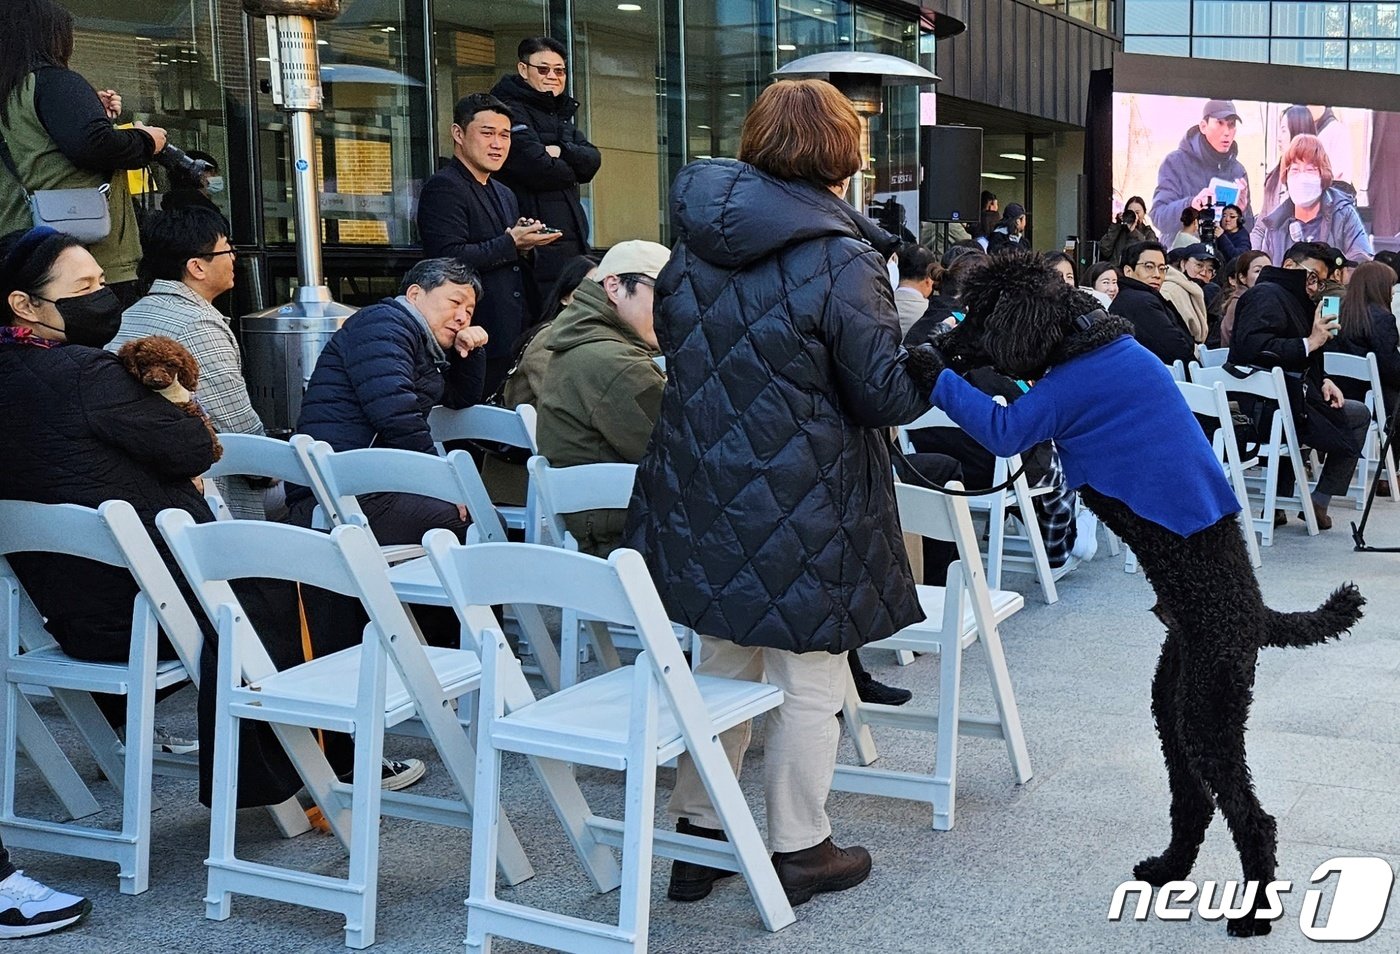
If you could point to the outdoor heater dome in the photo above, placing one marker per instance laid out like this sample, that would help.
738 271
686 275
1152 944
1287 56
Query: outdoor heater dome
860 77
282 343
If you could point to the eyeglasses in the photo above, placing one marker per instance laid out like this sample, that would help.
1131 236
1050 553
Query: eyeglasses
560 71
232 252
1148 268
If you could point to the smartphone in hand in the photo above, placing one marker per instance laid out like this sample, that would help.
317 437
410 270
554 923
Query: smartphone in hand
1332 311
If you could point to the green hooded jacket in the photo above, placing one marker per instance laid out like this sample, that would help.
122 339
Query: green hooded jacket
599 400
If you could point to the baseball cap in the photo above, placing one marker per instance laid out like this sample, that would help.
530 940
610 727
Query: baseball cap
1220 109
633 257
1013 212
1201 252
1335 257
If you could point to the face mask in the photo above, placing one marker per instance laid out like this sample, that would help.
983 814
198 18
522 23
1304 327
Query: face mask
91 320
215 184
1305 188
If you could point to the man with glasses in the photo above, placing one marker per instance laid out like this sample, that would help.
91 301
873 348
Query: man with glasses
1159 327
602 395
1278 324
188 254
549 157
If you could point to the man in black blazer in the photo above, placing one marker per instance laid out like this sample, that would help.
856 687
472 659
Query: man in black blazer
465 214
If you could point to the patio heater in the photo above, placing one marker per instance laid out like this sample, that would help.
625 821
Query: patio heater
860 77
282 343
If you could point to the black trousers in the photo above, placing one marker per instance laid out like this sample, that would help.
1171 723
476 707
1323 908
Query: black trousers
6 868
335 622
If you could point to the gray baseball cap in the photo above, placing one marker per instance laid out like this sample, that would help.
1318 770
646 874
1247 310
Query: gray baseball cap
1220 109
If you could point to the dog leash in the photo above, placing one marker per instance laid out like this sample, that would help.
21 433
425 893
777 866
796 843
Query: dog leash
906 470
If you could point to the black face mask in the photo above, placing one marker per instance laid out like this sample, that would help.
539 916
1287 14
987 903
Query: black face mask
91 320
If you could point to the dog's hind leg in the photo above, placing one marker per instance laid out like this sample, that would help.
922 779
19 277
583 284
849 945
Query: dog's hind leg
1192 806
1213 729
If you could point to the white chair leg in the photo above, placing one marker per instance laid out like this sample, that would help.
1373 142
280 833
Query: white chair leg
34 739
487 791
568 649
856 726
364 834
140 753
996 543
945 762
223 803
639 824
1007 713
904 657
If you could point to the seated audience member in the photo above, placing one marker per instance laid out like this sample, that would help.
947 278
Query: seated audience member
1368 327
30 909
78 429
916 284
1188 297
1009 232
1102 283
602 394
1190 231
374 384
187 253
1338 268
1062 265
1393 260
1241 276
1157 325
1278 324
945 309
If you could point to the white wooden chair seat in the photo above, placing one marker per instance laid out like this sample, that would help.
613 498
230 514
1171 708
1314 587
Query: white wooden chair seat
51 666
321 683
926 637
589 722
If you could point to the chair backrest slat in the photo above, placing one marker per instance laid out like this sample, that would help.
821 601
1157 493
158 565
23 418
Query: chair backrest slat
483 422
1266 384
253 455
564 490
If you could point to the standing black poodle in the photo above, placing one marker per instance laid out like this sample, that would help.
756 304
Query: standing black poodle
1142 462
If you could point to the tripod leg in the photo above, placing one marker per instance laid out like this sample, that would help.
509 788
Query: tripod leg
1358 531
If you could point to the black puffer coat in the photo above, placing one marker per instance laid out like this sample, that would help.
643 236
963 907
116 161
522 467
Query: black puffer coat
546 187
765 504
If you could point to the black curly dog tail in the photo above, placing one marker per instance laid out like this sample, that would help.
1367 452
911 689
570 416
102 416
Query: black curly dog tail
1337 614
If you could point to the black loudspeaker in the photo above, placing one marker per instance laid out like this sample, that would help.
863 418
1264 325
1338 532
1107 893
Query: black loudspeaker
952 166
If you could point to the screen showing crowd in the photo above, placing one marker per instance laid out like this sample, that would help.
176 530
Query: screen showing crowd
1296 172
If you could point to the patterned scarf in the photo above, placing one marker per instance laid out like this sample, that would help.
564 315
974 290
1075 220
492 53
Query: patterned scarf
15 335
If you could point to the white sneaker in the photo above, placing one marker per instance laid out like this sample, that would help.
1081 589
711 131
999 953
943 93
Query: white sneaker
28 908
1086 535
173 744
401 773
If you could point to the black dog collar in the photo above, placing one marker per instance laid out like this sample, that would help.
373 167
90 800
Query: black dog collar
1085 322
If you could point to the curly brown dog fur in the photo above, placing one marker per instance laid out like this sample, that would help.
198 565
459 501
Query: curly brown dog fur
1018 314
166 367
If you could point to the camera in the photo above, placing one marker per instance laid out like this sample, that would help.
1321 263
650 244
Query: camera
1207 225
197 171
1129 218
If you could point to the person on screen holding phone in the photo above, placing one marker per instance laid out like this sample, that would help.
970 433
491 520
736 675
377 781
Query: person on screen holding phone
1314 211
1207 152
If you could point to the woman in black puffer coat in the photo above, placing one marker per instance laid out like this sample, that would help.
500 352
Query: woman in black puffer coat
765 503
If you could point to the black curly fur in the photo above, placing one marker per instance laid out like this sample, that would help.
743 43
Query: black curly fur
924 364
1021 317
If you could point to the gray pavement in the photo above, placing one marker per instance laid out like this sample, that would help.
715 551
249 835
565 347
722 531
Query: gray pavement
1026 868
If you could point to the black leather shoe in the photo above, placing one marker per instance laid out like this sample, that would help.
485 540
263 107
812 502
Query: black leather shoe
871 691
821 868
689 881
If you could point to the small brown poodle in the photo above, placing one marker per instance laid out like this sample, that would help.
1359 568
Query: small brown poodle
167 368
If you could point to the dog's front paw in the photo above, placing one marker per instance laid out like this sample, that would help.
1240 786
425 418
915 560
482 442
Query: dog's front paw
924 364
1159 870
1249 927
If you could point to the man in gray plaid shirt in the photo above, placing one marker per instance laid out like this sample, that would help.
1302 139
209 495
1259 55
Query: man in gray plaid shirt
188 253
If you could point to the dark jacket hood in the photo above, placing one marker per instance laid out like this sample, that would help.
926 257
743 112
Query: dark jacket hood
589 318
1195 143
1294 281
723 210
512 90
1103 329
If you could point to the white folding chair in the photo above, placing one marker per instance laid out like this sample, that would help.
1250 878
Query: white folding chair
629 720
253 455
1178 370
1211 402
1211 357
1020 552
386 679
483 422
1281 445
1364 369
114 535
453 479
958 614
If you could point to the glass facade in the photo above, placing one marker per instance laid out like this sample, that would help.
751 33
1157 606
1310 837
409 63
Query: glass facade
1358 35
661 82
1097 12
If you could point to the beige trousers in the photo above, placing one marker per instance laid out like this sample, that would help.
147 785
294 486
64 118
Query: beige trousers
799 748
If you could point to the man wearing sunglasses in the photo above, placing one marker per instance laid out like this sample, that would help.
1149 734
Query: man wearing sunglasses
188 254
549 157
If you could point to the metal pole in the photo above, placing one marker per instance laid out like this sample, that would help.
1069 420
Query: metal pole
305 162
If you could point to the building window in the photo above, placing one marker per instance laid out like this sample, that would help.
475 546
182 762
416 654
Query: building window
1310 20
1158 45
168 60
892 173
1246 50
728 61
1375 21
372 133
1325 54
1158 17
813 26
618 76
1231 18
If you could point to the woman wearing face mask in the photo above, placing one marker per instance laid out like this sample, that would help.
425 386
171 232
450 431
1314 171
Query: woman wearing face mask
78 429
1292 122
1314 211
